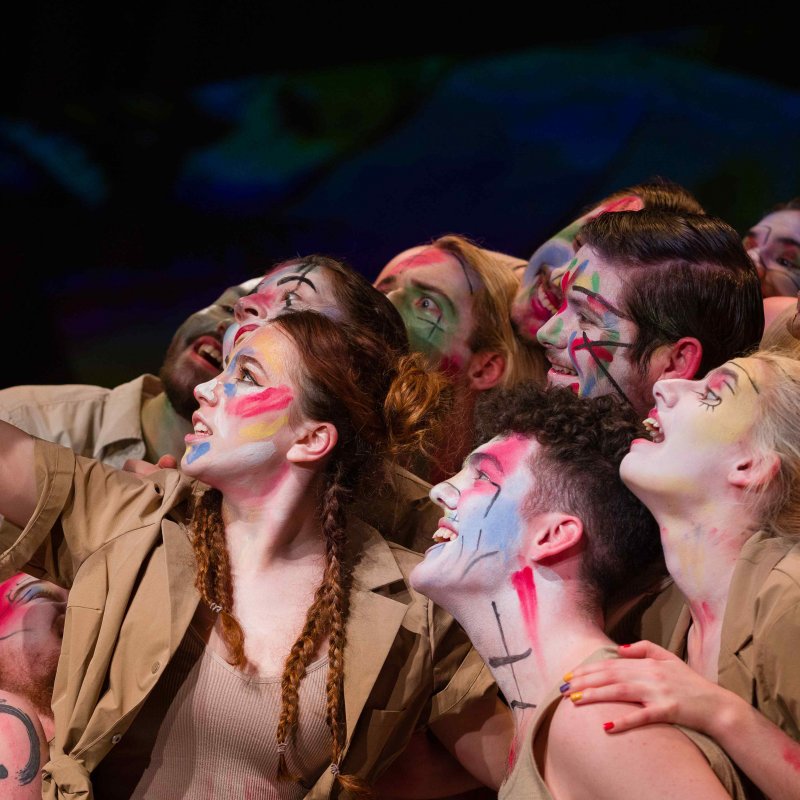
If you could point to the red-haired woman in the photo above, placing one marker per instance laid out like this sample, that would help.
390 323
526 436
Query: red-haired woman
271 638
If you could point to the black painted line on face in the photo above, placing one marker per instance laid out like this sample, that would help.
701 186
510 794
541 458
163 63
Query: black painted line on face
600 299
475 559
506 661
434 323
519 703
588 346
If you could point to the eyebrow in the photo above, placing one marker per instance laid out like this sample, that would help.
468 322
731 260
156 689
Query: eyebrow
600 299
788 240
477 458
298 278
733 374
23 584
427 287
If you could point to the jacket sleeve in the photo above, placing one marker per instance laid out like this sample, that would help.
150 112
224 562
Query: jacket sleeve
82 505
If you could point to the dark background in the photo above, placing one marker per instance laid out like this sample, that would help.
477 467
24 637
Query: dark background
150 157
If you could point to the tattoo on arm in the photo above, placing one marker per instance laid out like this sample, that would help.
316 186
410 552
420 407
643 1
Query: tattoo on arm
31 768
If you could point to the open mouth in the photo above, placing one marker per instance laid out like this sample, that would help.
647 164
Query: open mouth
201 430
445 532
558 369
653 427
209 349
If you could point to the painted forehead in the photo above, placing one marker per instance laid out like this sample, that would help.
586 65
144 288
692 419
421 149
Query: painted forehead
785 223
267 344
747 372
504 454
438 265
591 278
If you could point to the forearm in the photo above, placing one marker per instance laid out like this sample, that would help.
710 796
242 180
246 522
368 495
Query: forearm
18 492
768 756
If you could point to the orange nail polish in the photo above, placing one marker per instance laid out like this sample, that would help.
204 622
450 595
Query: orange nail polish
575 696
567 677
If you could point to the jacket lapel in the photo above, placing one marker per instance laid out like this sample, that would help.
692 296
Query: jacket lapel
374 619
183 596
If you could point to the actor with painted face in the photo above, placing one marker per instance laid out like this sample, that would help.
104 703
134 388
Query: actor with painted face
722 477
143 419
774 245
398 507
651 295
538 532
261 642
539 295
455 299
31 626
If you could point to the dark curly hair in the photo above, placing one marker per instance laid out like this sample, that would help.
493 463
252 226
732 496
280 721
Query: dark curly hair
576 470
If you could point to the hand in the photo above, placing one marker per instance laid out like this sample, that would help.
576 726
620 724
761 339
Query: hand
145 468
668 689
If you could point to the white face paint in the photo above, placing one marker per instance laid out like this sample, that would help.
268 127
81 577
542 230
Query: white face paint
774 246
241 430
295 287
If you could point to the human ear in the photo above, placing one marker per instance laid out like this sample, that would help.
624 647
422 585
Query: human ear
314 441
679 360
754 470
486 370
552 534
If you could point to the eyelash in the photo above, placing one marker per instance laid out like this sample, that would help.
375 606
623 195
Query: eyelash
287 299
482 476
709 398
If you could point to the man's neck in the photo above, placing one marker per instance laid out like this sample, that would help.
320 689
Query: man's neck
530 634
163 428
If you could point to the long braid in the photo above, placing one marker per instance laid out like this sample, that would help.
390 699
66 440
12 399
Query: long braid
213 579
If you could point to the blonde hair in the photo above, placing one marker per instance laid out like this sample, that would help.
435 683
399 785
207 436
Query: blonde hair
777 430
491 308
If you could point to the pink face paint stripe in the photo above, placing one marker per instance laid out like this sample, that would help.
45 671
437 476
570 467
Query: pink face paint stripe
523 584
273 399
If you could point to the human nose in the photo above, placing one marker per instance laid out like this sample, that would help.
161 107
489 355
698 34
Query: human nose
249 307
206 392
446 495
551 334
668 391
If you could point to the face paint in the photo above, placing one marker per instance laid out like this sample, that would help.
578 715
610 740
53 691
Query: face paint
296 286
539 295
586 341
433 291
195 352
774 246
31 628
701 429
241 429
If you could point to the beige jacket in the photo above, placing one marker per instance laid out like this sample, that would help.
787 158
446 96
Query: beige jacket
759 656
94 421
119 542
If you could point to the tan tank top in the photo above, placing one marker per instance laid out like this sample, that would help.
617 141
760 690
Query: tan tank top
526 783
207 730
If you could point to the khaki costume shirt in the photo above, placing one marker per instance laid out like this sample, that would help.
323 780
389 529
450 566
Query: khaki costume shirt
94 421
759 656
119 542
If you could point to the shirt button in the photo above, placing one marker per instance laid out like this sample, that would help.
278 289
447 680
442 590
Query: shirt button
115 738
156 666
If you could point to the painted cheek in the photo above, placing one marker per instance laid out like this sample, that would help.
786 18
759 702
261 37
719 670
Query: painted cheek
195 451
264 402
263 430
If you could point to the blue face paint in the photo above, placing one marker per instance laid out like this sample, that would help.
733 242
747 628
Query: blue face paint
197 451
229 389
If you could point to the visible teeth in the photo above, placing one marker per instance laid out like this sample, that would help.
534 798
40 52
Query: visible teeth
543 299
211 352
200 428
444 535
562 370
653 427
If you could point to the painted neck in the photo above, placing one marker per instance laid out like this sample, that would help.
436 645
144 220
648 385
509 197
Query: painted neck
530 632
701 545
163 428
281 523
